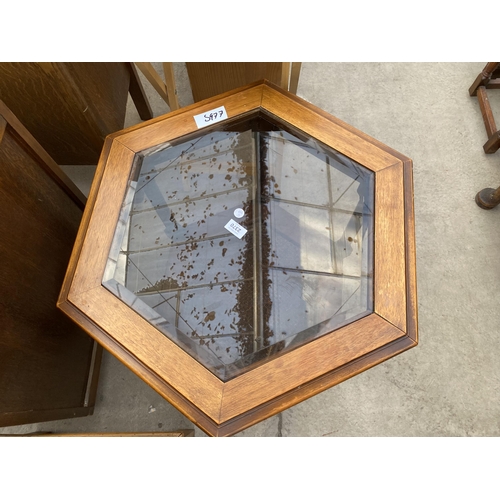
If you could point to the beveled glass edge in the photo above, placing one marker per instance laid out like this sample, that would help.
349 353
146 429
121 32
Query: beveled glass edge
120 230
203 356
222 371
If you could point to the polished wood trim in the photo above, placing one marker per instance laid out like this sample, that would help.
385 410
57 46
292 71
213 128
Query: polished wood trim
318 111
191 411
410 254
153 349
181 122
389 254
306 363
314 387
82 230
328 131
224 408
99 235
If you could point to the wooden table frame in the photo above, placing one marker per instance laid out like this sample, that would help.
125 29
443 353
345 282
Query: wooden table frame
489 78
224 408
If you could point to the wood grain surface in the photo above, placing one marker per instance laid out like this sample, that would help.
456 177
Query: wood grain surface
68 107
181 122
225 408
209 79
103 220
150 347
306 363
45 358
389 255
325 130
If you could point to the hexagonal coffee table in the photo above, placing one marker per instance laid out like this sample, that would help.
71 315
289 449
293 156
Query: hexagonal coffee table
245 253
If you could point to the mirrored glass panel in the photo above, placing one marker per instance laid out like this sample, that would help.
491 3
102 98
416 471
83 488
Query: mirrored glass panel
242 243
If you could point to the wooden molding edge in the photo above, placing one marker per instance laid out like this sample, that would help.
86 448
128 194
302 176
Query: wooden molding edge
174 397
314 387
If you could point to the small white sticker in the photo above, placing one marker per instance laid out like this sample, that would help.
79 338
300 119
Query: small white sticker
239 213
212 116
233 227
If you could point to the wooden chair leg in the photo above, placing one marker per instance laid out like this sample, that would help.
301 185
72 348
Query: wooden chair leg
488 198
483 79
138 95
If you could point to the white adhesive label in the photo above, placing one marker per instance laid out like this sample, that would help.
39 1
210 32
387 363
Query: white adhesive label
212 116
233 227
239 213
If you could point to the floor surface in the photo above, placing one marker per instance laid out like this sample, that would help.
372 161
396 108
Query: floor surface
449 384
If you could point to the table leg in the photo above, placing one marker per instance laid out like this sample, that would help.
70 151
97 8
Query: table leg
488 198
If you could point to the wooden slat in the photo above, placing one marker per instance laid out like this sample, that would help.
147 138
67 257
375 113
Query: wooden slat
154 79
492 144
389 255
181 122
306 363
285 75
168 72
138 95
488 118
294 77
325 130
100 232
493 84
165 359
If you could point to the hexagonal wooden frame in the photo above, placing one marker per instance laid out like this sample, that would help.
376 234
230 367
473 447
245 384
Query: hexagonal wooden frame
224 408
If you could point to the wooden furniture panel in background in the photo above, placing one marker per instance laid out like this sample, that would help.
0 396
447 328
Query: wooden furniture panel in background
212 78
48 366
70 107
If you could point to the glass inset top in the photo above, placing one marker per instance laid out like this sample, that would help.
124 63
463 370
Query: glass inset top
245 242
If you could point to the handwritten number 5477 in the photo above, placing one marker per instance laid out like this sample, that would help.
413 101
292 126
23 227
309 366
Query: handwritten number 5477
213 116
